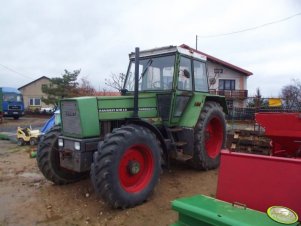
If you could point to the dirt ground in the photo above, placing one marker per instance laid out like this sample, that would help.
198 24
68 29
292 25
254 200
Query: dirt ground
27 198
10 125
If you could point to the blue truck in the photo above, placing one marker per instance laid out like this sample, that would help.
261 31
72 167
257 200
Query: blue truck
12 102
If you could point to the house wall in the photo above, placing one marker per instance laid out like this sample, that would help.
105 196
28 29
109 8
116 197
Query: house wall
240 79
34 90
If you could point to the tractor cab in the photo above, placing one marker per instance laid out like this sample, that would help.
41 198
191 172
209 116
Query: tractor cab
168 69
174 73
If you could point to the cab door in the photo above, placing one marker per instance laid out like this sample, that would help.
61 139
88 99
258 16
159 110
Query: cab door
184 88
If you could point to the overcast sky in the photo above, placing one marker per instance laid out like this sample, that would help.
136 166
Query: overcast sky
42 38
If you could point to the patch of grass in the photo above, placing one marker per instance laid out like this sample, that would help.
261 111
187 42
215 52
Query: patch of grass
3 137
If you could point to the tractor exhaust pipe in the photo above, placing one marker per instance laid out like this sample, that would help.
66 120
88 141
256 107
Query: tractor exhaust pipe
135 114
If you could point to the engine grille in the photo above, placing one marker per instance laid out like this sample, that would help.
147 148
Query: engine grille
14 107
70 118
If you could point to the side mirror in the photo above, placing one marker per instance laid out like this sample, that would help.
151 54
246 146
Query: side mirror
186 73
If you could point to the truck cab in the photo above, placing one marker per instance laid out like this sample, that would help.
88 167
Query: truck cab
12 102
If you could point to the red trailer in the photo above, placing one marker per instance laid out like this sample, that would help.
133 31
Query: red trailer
264 181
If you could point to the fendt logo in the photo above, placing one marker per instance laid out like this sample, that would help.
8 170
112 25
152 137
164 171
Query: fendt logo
126 109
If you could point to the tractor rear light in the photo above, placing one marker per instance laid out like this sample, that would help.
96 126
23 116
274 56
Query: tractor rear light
77 145
61 142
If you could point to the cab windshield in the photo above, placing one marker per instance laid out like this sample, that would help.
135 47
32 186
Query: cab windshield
155 73
12 97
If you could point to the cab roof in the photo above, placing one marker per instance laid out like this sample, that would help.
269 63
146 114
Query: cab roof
169 49
10 90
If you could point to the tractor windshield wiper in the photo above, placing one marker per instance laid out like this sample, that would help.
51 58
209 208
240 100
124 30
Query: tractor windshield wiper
148 64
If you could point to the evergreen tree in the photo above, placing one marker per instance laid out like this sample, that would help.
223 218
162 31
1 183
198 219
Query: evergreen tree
61 87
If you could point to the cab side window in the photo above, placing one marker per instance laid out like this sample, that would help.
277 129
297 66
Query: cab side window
185 75
201 82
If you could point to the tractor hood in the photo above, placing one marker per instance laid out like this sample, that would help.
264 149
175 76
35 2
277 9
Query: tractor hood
81 116
121 107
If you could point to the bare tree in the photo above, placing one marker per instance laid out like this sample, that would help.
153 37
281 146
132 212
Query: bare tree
291 95
116 81
85 88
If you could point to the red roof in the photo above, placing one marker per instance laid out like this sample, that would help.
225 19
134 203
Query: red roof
216 60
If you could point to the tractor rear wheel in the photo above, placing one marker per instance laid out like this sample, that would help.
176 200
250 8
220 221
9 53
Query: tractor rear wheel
209 137
126 166
49 160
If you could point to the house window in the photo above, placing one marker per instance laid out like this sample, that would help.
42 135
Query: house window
224 84
35 101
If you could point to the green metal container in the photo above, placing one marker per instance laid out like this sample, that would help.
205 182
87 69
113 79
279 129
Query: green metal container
207 211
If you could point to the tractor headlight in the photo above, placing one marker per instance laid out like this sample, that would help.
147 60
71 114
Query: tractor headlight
61 142
77 145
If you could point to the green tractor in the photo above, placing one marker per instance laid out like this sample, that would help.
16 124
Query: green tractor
164 112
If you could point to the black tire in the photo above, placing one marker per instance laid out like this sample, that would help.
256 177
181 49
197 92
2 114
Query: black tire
127 166
20 142
48 160
33 141
209 137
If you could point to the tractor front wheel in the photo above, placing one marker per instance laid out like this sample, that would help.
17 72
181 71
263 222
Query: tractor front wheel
126 166
49 160
209 137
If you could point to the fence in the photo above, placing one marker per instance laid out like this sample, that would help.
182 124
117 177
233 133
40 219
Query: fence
255 105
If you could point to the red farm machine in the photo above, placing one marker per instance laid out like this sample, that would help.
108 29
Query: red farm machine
250 185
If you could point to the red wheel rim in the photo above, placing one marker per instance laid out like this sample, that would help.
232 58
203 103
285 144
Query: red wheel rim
136 168
214 137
